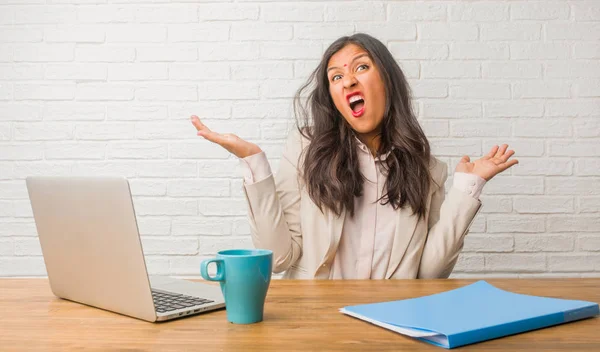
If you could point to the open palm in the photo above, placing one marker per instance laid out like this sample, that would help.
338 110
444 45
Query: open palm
495 162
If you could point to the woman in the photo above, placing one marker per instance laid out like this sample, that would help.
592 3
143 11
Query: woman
358 194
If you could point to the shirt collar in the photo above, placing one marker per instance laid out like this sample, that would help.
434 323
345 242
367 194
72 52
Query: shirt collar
363 148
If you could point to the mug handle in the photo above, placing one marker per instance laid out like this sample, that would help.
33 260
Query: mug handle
220 276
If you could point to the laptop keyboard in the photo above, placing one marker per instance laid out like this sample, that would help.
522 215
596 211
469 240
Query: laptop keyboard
168 301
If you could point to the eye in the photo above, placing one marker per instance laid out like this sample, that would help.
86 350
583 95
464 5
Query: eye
363 66
336 77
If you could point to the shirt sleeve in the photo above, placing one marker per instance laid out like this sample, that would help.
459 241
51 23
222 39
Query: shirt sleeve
469 183
255 168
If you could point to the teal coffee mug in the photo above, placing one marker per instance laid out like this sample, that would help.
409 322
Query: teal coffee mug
244 275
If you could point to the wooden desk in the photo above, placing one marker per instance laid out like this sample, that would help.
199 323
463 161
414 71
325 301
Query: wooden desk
299 315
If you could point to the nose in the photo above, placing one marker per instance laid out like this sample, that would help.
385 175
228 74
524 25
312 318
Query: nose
349 81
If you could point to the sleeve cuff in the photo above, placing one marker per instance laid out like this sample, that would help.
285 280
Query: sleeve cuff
469 183
255 168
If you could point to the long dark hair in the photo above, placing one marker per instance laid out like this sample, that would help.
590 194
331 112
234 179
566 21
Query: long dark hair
331 170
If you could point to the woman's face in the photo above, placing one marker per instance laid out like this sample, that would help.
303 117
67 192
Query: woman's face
357 89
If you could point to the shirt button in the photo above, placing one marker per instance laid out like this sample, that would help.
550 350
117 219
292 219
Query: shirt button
324 266
473 183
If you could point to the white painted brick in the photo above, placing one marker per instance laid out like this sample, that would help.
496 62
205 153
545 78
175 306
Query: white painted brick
43 131
261 31
104 131
166 52
199 71
587 167
479 11
521 223
539 10
534 51
179 13
303 69
455 147
573 69
417 51
478 51
212 245
27 246
262 70
137 71
468 262
572 107
241 227
544 205
480 128
104 91
20 112
6 170
231 51
574 223
483 243
10 228
74 150
243 129
575 148
237 188
388 31
206 32
219 168
7 15
262 110
410 69
518 70
23 209
44 91
588 243
541 127
586 11
589 204
22 266
516 262
428 88
5 132
189 265
6 92
75 34
133 112
573 31
6 248
298 12
154 226
450 109
448 31
542 166
199 225
510 31
181 129
198 188
511 108
166 168
417 11
541 89
157 265
46 14
21 151
587 88
169 246
200 149
163 206
569 186
147 187
7 209
496 204
72 71
434 128
228 12
228 90
515 185
479 225
479 90
222 207
44 52
112 168
355 11
136 33
310 50
322 31
451 69
23 34
21 72
103 53
137 150
105 13
13 190
214 109
576 262
586 50
7 53
161 92
275 129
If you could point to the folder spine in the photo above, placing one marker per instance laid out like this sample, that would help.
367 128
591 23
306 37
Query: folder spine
581 313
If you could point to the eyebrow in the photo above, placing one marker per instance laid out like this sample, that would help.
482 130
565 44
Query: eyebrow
355 58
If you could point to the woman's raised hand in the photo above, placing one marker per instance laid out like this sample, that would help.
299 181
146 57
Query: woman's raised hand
231 142
495 162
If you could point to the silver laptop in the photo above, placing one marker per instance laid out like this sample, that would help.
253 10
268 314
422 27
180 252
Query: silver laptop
93 254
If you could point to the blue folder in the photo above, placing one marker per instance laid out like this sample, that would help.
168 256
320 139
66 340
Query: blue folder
471 314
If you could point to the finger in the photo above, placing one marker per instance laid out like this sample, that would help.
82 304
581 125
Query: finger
508 164
501 150
507 155
465 159
198 124
492 152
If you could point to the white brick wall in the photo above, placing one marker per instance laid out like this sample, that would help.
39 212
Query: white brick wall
106 88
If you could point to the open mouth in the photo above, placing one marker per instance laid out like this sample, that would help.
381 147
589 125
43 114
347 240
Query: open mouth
357 104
